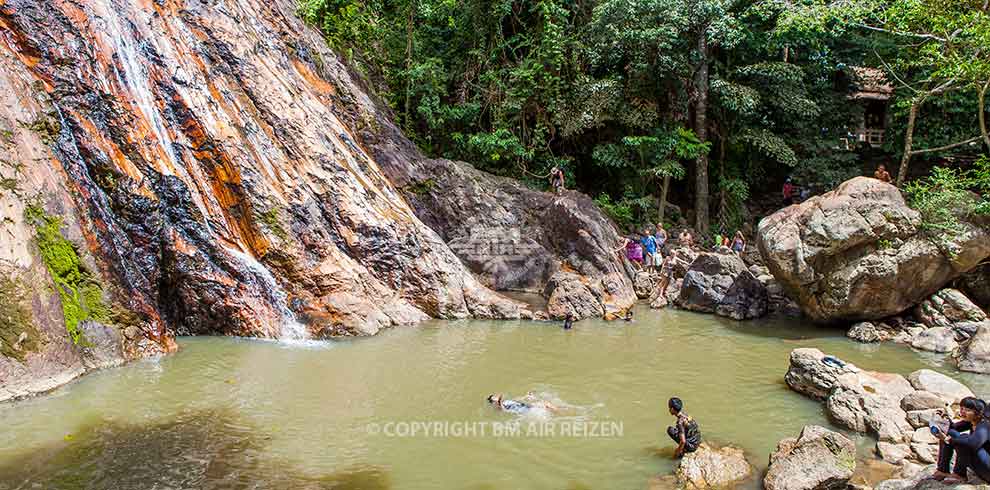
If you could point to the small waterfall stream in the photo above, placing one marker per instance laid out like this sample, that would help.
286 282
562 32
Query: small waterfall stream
291 329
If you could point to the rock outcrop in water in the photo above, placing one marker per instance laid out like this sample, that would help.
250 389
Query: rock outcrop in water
888 406
218 171
857 253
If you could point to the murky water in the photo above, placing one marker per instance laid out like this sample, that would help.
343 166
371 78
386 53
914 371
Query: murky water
230 413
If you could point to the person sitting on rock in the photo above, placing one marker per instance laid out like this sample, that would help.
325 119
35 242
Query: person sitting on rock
882 174
686 239
685 431
970 449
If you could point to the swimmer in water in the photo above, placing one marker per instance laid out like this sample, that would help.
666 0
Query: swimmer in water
569 321
518 407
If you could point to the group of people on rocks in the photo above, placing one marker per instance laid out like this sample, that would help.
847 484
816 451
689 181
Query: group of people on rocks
966 439
645 250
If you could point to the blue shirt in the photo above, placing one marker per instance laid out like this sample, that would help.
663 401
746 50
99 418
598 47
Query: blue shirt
649 244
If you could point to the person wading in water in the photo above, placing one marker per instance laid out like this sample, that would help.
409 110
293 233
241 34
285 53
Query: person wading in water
685 431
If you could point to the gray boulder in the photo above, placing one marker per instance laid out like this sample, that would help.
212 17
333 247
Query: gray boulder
947 307
974 356
857 253
865 332
921 400
818 459
936 339
870 402
893 453
810 375
720 283
950 390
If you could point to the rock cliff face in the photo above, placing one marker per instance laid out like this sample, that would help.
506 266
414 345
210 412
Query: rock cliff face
215 169
857 253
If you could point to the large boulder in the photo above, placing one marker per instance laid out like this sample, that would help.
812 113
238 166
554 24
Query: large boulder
950 390
870 402
587 297
857 253
937 339
865 332
976 285
819 459
946 308
974 356
709 468
720 283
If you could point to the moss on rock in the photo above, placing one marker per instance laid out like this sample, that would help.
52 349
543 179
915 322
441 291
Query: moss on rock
78 288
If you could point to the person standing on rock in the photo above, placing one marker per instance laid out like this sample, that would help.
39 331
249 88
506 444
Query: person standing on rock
738 243
882 174
661 237
685 431
557 179
649 243
634 252
788 192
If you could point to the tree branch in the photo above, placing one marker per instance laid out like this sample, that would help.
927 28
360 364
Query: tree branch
948 147
930 37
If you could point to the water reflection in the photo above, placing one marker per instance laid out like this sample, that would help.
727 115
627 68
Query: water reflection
202 450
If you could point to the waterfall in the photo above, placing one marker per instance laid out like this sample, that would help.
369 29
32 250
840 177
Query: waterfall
291 329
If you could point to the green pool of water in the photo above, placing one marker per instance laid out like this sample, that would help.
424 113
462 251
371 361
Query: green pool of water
234 413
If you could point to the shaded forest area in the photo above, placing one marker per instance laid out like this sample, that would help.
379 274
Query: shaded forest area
706 104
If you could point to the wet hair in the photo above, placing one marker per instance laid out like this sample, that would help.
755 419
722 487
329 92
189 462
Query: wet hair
974 404
676 404
491 398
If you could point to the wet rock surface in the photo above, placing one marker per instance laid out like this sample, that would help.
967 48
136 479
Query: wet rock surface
841 254
207 170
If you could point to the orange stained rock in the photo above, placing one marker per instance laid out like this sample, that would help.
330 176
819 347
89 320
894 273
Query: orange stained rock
313 80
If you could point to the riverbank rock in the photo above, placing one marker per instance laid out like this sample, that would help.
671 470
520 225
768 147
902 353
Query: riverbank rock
818 459
976 285
865 332
893 453
921 400
950 390
644 285
974 356
870 402
936 339
810 374
712 468
568 292
720 283
856 253
946 308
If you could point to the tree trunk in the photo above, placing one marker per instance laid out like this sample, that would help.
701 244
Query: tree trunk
701 130
908 140
663 198
983 114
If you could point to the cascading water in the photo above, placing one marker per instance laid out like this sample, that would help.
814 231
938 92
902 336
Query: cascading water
290 329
